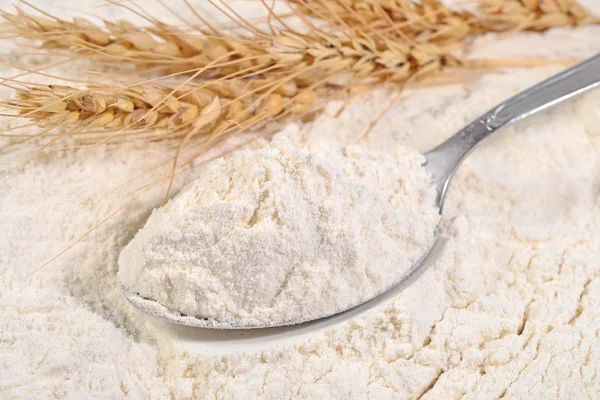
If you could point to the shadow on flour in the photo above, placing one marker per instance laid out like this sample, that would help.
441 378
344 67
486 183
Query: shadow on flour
94 281
222 342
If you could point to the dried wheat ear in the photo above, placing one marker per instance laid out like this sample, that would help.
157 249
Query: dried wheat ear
143 107
175 50
436 22
172 45
537 15
296 68
121 41
243 82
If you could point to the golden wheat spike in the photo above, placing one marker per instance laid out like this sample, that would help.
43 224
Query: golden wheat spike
169 47
439 23
295 60
537 15
113 108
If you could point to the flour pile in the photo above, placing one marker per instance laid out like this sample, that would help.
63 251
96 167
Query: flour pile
509 306
283 234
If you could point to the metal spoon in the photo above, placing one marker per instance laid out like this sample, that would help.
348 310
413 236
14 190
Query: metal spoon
441 163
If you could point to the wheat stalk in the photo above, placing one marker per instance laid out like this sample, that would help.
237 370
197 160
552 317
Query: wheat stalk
177 50
272 74
396 22
168 47
399 21
150 107
114 39
360 57
296 62
537 15
216 56
394 19
293 72
432 20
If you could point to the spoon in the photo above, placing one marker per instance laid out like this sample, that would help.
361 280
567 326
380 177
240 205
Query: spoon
441 163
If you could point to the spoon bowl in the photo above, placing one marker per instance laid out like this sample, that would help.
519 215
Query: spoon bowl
441 163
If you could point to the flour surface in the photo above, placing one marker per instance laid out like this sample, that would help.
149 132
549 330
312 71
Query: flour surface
507 308
285 233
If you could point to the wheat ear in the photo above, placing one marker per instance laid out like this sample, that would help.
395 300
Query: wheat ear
145 107
436 22
298 61
168 48
537 15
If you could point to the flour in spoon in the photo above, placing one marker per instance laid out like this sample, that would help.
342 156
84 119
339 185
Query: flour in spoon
285 233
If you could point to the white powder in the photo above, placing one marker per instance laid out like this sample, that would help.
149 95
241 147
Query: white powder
508 307
284 234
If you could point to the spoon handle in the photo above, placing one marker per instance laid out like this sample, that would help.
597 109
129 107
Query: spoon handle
443 160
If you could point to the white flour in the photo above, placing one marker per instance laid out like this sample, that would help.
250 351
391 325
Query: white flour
508 307
285 233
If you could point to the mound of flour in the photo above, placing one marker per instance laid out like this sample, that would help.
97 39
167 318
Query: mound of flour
285 233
